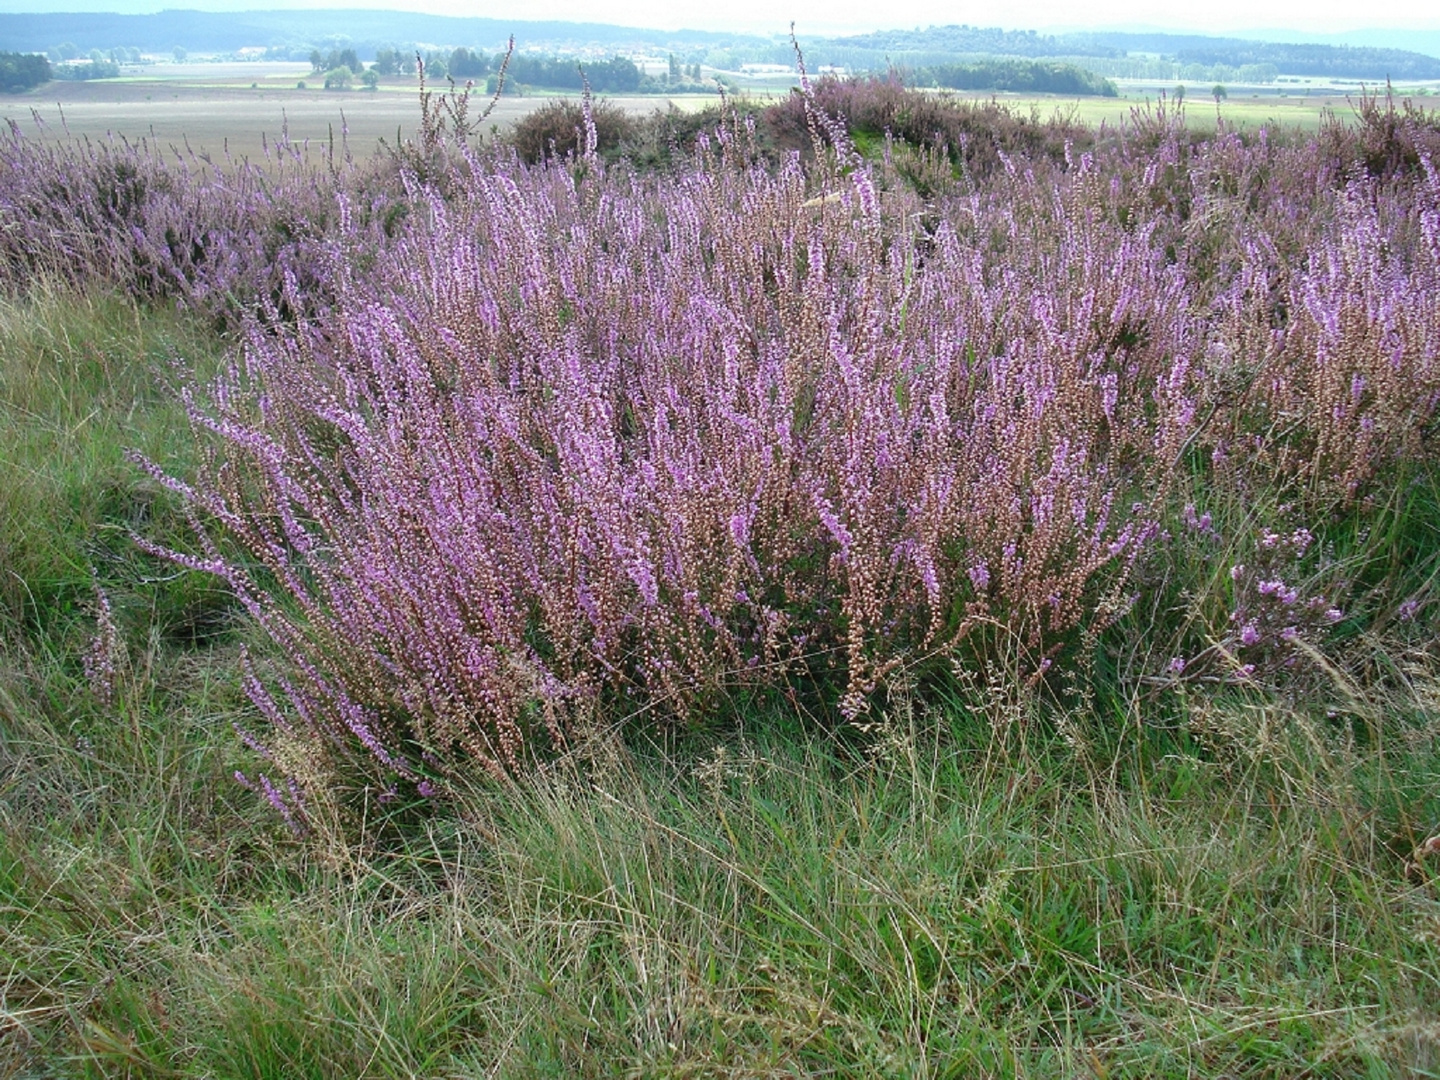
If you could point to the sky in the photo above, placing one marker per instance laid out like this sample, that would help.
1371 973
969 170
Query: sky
823 17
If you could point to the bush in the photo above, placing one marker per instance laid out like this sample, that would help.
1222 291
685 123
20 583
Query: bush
975 135
615 76
513 448
91 69
464 64
556 129
1388 141
391 61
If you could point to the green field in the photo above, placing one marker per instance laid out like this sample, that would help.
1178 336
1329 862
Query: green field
1201 112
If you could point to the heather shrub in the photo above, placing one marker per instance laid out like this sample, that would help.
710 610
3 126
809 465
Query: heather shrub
1384 141
668 138
559 129
976 136
1332 376
224 236
510 448
644 451
894 592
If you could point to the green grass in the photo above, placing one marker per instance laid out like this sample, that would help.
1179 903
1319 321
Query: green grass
1298 113
942 907
83 380
1214 884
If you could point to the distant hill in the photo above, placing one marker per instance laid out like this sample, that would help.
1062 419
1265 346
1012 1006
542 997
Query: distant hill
971 41
294 33
1333 61
1421 41
203 31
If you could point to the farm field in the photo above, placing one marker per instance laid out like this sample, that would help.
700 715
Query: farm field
870 585
215 105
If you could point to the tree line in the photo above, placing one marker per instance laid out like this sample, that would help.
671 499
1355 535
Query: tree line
1023 76
604 76
1326 61
23 71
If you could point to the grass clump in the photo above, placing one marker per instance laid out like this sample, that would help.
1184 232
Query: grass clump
86 378
942 904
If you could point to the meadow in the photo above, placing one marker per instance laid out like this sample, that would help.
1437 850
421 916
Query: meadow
865 585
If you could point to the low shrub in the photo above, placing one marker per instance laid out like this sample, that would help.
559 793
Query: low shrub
559 129
512 448
976 136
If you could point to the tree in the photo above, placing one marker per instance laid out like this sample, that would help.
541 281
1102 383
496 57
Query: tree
1218 93
1179 94
674 69
22 71
317 61
180 54
465 64
338 78
371 79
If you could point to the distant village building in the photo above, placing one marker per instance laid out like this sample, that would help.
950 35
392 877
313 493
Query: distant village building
787 69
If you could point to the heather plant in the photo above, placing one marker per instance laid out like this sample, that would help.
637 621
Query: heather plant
1337 379
976 136
624 444
1386 141
558 129
220 235
666 140
511 447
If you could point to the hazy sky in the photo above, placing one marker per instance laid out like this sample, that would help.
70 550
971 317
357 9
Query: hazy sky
814 17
